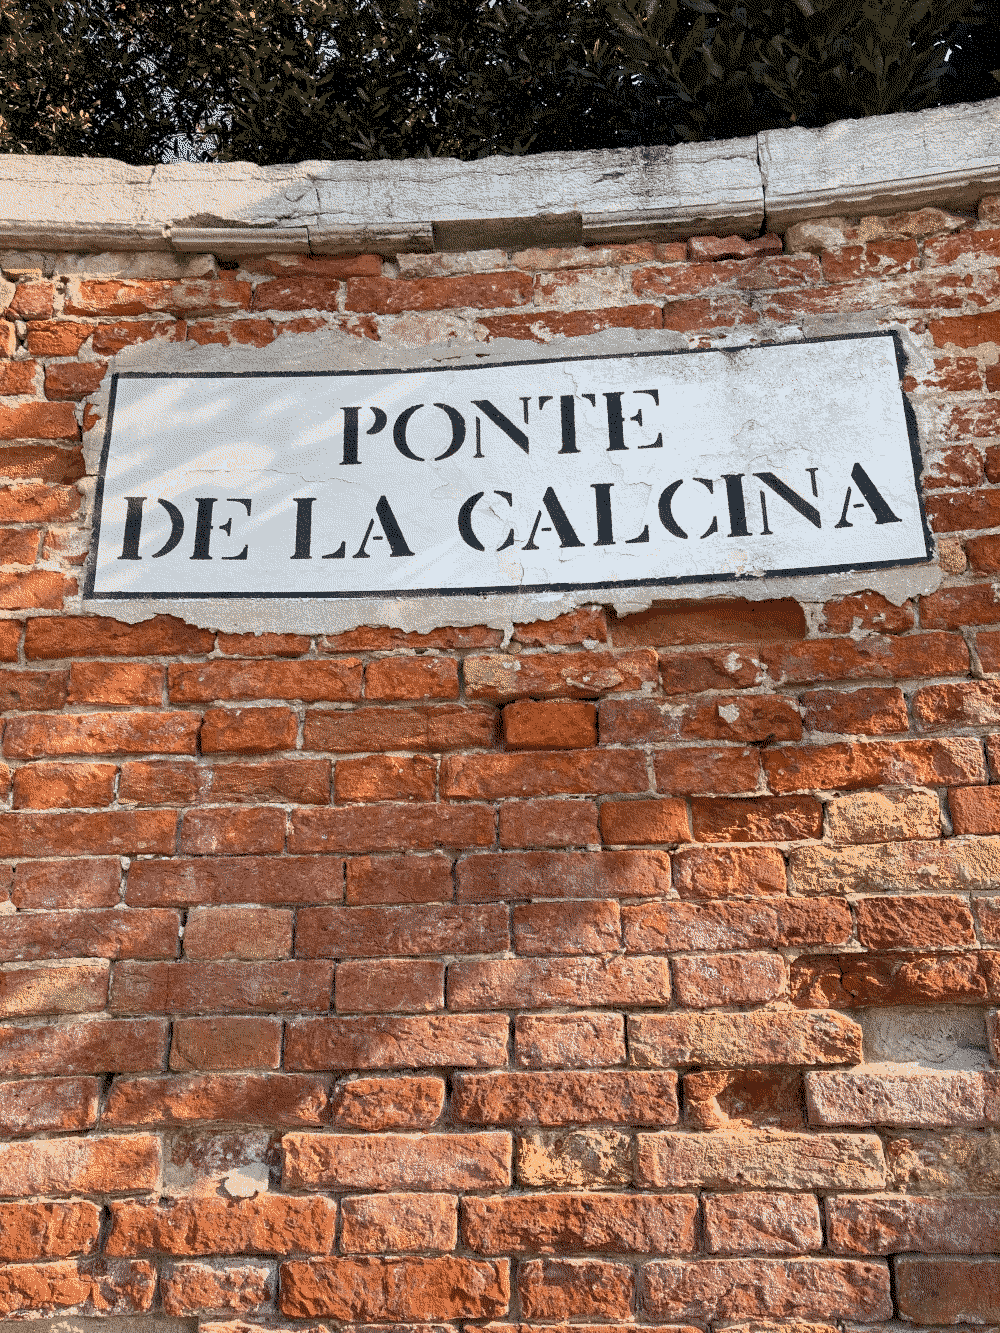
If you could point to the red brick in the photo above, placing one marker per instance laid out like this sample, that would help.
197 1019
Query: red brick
396 1161
219 832
445 727
965 330
47 1230
310 681
395 1289
33 300
959 511
24 690
390 828
39 421
115 683
395 1223
112 932
37 503
238 932
723 981
889 1224
264 645
971 703
954 468
761 1038
57 884
567 928
586 622
868 611
385 778
543 325
703 770
820 1289
734 620
314 266
984 554
404 678
634 822
877 259
400 986
975 809
570 1288
948 1290
71 989
766 819
384 932
847 766
727 872
199 296
967 245
59 337
567 675
874 657
80 1166
98 636
18 377
745 1099
548 823
43 1104
751 717
387 1103
95 1286
528 725
762 1223
701 248
39 588
516 876
542 773
398 879
299 781
19 546
480 291
369 639
73 379
255 1099
267 1224
297 293
232 879
8 337
227 332
581 1224
569 1041
51 786
226 1043
248 730
111 338
221 987
120 832
33 737
84 1046
705 314
947 374
955 608
865 712
188 1289
862 980
469 1041
546 983
160 782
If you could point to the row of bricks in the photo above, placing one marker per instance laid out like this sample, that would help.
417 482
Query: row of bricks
557 1224
663 1040
919 866
405 985
556 928
930 1289
427 826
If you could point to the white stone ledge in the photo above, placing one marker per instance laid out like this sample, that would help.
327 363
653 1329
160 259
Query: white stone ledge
948 155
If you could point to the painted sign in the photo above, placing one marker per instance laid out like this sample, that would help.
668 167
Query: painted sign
572 473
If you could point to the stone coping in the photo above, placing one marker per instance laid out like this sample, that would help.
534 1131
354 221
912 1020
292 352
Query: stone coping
946 155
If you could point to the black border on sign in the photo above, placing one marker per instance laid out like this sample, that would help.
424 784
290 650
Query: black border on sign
381 593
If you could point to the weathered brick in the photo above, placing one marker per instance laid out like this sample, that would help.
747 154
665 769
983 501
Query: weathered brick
396 1223
874 657
724 872
386 778
369 639
146 296
36 588
84 1046
542 773
238 932
957 1163
99 636
187 1289
679 927
848 980
401 678
220 831
566 928
744 1099
888 1095
664 1041
866 712
580 1224
26 690
954 608
956 866
395 1289
47 1230
267 1224
586 622
225 1043
115 683
761 1159
234 879
766 819
948 1291
760 1223
883 816
543 325
398 879
43 1104
708 1289
396 985
516 876
470 1041
569 1041
37 736
729 979
567 1288
890 1223
433 728
553 822
122 832
111 338
397 1161
566 1098
59 337
588 675
714 620
387 1103
263 1099
553 982
975 809
55 786
310 681
299 781
38 421
844 765
915 922
221 987
93 1286
80 1166
376 932
73 988
575 1158
390 828
248 730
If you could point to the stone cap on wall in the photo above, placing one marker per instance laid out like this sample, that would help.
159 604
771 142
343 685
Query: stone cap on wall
946 155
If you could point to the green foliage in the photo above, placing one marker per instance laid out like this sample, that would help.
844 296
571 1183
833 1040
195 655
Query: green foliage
291 80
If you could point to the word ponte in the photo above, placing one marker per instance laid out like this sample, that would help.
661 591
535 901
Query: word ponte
546 475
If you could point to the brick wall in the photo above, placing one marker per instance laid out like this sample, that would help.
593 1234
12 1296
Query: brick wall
367 979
